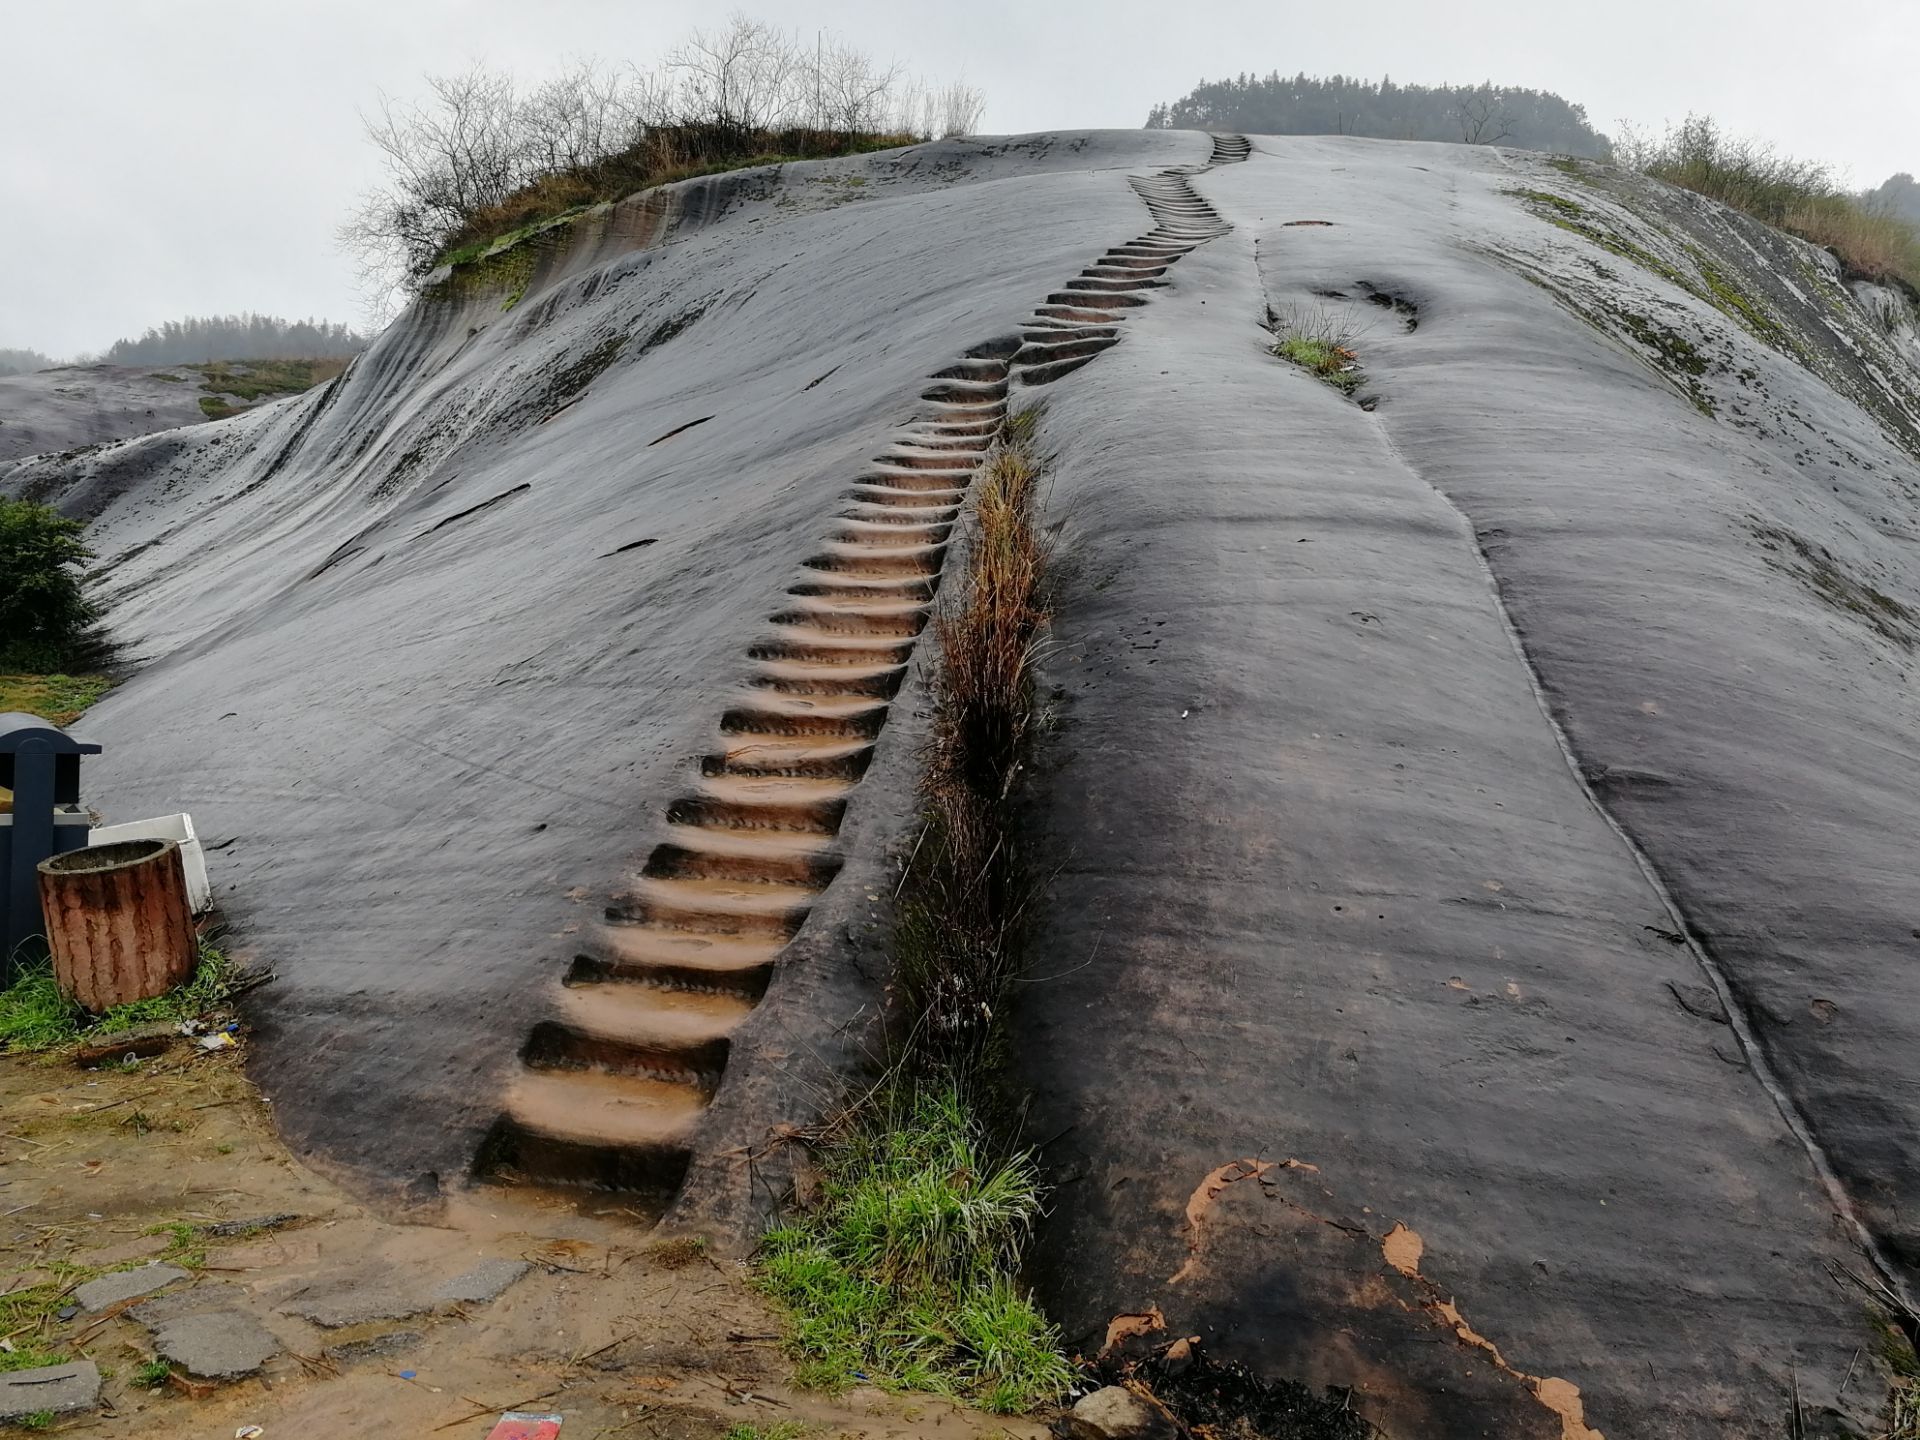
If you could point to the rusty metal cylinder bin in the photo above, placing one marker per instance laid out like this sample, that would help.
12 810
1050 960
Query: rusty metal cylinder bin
119 923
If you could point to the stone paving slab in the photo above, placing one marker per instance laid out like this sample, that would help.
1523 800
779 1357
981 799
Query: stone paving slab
110 1290
197 1301
217 1344
61 1389
484 1282
355 1303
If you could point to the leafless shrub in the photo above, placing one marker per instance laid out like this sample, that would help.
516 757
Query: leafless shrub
479 155
1483 118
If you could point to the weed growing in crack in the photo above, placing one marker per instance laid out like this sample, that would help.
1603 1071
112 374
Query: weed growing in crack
966 895
905 1272
1321 341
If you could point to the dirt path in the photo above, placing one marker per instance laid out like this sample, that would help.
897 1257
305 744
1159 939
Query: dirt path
118 1166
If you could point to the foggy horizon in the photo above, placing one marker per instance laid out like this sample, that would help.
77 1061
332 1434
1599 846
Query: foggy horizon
165 164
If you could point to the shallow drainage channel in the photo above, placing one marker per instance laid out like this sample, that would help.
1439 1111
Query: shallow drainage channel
610 1091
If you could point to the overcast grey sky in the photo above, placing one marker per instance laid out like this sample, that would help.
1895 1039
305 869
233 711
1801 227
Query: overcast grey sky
166 157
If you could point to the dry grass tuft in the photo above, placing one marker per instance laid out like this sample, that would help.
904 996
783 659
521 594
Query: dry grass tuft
1872 245
987 640
1320 340
678 1252
968 894
1802 197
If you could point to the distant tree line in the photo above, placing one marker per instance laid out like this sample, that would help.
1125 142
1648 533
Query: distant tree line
1484 114
1897 195
483 153
201 338
22 362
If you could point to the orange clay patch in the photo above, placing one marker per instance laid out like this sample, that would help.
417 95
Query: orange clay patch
1403 1248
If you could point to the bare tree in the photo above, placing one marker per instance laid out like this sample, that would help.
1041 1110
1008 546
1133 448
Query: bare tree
960 107
741 77
846 91
579 116
1483 119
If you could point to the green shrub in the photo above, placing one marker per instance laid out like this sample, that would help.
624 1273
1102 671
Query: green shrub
46 620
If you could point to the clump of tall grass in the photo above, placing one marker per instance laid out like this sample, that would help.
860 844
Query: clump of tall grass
1321 341
966 891
1802 197
903 1273
986 640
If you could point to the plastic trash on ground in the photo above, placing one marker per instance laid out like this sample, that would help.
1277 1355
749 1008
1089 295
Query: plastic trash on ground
179 828
525 1425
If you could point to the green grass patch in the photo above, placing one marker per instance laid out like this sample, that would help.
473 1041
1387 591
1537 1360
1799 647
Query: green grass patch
903 1273
784 1430
28 1315
57 699
496 244
214 408
1551 201
1332 363
255 379
1320 340
186 1244
151 1374
35 1016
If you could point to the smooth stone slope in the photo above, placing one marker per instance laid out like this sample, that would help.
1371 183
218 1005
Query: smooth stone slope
1477 969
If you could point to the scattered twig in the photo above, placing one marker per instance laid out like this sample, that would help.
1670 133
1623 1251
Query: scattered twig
482 1408
611 1344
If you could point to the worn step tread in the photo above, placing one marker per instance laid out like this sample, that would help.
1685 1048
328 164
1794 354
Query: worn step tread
592 1107
650 1015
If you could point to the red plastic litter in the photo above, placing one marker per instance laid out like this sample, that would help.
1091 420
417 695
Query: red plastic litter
525 1425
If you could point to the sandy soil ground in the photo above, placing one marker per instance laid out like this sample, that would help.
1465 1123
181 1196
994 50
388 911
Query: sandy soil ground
623 1335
